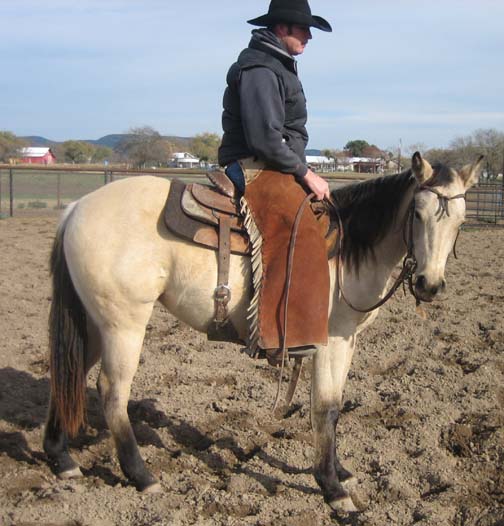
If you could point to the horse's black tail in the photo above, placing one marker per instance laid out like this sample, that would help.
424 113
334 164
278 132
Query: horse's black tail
67 341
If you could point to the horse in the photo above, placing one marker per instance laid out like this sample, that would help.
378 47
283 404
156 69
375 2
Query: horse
113 259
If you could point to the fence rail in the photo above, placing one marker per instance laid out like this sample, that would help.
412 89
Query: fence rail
484 205
31 185
54 186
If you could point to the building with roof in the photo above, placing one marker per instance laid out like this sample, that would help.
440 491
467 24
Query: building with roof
184 160
37 155
320 163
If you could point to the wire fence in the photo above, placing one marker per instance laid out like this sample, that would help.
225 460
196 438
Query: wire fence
28 189
484 205
47 188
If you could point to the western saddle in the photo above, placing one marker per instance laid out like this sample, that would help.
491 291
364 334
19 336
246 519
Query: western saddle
210 216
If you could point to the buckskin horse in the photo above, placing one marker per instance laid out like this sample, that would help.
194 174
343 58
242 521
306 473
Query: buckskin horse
113 258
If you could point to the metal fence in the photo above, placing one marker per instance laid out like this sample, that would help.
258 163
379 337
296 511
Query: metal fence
24 188
484 205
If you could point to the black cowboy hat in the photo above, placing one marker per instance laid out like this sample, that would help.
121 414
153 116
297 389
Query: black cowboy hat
291 12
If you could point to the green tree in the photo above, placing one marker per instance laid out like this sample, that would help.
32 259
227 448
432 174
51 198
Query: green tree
206 146
357 147
78 152
10 145
144 146
331 153
101 153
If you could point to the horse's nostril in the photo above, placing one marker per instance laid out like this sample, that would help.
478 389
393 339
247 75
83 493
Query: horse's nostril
427 289
420 282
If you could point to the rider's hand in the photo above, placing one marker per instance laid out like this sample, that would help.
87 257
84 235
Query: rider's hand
317 185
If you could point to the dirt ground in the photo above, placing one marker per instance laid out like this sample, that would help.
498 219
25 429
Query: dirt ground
422 426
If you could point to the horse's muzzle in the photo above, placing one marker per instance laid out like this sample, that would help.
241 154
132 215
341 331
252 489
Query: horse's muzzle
426 291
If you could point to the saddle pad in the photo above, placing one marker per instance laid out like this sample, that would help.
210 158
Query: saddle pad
178 222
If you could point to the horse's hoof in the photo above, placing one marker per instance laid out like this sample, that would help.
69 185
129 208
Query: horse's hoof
349 483
70 473
153 488
343 504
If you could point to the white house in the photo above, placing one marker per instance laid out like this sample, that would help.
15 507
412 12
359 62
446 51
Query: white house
320 163
184 160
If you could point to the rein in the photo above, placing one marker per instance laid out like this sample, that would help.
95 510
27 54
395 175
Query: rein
290 260
409 263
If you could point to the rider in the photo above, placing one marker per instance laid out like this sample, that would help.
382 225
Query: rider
263 151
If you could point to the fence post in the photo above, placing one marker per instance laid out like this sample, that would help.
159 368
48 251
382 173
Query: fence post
58 191
0 194
11 193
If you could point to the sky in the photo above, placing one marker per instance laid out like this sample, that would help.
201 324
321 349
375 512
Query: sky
415 72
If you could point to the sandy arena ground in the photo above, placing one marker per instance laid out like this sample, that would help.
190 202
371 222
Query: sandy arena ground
422 426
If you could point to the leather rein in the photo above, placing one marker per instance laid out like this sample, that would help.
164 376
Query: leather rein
409 263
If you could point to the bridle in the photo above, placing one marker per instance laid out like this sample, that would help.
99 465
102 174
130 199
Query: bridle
409 264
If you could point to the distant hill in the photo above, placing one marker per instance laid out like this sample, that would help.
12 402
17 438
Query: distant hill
35 140
312 151
111 140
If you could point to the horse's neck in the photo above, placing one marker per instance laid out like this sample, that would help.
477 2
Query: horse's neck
389 252
392 249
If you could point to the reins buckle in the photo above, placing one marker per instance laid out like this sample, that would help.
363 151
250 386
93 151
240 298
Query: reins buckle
222 293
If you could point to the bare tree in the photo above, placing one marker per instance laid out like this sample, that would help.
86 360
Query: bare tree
144 146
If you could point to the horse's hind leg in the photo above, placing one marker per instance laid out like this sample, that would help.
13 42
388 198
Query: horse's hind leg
330 366
55 439
119 363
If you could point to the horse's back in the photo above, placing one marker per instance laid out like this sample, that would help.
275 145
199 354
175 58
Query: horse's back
133 199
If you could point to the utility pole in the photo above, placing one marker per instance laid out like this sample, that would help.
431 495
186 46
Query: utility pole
399 156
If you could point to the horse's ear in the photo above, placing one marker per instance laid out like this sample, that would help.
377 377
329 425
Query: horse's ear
470 172
421 169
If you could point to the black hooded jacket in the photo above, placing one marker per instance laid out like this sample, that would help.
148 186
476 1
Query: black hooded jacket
265 108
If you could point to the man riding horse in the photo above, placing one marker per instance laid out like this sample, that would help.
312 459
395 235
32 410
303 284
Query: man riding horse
263 151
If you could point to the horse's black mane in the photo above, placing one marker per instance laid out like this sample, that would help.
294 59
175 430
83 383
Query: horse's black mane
368 210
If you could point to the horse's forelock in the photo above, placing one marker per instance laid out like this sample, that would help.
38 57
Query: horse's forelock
442 175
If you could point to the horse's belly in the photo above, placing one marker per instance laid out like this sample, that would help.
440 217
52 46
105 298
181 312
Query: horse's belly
192 279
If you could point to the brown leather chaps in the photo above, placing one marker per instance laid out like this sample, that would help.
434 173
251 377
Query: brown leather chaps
273 200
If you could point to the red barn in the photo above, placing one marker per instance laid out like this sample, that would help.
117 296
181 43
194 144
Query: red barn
37 156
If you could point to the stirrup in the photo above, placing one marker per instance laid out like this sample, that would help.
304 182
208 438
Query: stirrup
274 356
304 351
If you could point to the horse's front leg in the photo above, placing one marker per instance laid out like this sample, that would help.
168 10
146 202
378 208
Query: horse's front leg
330 369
